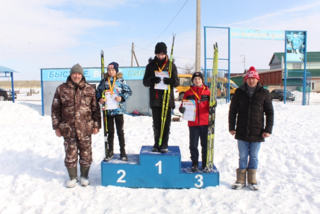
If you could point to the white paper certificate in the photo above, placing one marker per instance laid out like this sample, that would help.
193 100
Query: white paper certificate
161 85
110 102
190 113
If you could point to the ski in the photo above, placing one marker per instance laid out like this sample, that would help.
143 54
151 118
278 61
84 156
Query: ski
166 97
212 109
104 112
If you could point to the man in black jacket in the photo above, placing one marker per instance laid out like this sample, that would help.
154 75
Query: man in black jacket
246 121
160 63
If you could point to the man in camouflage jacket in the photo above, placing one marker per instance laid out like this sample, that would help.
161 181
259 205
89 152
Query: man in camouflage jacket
76 116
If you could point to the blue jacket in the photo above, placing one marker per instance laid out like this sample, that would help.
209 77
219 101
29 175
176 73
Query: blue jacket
122 88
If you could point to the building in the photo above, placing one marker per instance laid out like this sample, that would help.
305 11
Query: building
273 78
295 70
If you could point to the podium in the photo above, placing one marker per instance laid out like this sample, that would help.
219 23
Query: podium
155 170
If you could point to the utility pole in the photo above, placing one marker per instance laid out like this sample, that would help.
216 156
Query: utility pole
133 54
198 39
244 62
132 49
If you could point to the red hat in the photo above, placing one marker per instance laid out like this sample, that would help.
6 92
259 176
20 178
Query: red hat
252 73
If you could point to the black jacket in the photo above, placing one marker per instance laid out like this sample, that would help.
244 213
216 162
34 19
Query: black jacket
156 96
249 114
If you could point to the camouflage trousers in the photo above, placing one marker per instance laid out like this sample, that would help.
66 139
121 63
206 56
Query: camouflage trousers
74 147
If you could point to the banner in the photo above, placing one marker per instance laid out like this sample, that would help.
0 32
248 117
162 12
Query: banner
91 74
295 46
240 33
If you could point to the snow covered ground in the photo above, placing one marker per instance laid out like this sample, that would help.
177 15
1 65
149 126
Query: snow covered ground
33 175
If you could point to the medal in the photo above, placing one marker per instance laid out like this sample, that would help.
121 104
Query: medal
112 87
198 97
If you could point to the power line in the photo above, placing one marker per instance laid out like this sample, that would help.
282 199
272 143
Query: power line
168 24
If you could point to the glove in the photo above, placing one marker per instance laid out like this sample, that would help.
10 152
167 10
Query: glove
168 81
182 109
155 80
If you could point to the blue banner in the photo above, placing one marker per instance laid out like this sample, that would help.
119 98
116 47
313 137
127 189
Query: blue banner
257 34
91 74
133 73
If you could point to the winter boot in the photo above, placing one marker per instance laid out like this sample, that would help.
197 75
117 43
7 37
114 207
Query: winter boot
195 166
164 150
110 154
252 182
73 177
204 163
156 147
241 179
84 180
164 146
123 155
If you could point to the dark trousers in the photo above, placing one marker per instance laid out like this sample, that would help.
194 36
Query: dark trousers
194 133
156 116
118 119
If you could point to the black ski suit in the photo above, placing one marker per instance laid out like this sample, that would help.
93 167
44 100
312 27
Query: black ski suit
156 98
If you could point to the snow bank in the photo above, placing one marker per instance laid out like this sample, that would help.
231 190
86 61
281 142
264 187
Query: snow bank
33 174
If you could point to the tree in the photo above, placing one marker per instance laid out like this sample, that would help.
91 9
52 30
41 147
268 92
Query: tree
188 69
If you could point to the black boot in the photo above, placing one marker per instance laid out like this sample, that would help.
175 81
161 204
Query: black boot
123 155
164 145
195 166
156 147
204 163
110 154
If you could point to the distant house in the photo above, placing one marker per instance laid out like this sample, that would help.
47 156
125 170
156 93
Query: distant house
295 69
273 78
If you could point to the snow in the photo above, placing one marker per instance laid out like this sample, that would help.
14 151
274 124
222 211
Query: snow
33 175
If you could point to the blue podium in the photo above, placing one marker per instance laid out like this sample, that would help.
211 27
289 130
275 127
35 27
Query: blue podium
155 170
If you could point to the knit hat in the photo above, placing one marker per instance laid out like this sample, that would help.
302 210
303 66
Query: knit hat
114 65
252 73
197 74
76 69
160 48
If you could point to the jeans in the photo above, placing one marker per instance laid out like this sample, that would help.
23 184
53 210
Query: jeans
248 149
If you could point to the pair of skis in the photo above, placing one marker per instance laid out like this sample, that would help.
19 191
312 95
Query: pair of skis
212 110
104 113
166 97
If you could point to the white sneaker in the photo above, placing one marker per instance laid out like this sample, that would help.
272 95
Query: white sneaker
84 181
72 183
237 186
254 187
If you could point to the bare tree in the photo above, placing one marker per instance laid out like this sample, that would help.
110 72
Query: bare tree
188 69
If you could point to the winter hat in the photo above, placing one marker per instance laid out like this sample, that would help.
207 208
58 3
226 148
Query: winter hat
114 65
252 73
76 69
197 74
160 48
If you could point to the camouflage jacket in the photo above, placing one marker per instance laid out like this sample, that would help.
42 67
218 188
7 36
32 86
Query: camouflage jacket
75 109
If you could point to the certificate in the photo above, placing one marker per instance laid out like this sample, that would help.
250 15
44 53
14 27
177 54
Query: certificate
161 85
110 102
190 112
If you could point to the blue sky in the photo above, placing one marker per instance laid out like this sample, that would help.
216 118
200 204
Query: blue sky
45 34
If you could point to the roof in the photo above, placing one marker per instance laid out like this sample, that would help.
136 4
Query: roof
311 56
4 69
